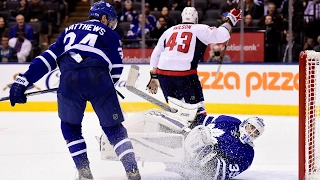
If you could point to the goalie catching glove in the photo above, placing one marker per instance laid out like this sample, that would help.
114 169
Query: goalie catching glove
200 146
234 16
153 83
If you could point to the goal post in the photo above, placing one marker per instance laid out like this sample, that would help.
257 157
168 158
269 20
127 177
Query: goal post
309 116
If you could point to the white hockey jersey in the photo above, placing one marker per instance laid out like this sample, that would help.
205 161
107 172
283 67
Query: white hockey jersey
181 47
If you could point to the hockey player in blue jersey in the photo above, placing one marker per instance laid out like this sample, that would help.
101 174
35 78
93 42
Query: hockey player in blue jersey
205 147
220 147
89 56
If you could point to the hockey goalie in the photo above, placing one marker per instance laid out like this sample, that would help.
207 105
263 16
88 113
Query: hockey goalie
194 146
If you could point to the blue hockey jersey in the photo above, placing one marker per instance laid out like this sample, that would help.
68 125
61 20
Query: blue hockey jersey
89 39
236 157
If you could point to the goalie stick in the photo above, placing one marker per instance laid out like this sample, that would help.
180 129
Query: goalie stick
130 85
47 91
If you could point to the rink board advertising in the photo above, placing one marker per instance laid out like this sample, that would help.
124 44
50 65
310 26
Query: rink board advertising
239 89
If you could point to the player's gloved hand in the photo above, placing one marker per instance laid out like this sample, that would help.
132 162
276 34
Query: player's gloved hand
17 90
153 83
234 16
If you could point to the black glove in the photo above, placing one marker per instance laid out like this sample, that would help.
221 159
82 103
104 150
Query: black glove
17 90
153 84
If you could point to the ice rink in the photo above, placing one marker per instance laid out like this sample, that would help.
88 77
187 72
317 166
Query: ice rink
32 148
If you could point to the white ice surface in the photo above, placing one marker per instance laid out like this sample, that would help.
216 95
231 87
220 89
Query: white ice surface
32 148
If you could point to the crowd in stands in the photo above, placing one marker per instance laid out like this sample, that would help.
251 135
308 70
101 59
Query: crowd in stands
268 16
26 24
39 18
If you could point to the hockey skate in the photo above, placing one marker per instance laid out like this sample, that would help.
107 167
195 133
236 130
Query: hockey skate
133 174
84 174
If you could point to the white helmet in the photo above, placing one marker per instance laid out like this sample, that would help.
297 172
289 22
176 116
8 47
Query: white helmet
189 15
255 129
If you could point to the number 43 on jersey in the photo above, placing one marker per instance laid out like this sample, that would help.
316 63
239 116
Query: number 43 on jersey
184 46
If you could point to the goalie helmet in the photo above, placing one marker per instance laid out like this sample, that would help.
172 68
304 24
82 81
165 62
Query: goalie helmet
189 15
251 129
100 8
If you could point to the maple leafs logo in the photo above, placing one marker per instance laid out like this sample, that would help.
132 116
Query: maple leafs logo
215 132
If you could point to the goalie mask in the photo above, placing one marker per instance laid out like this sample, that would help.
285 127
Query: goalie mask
189 15
251 129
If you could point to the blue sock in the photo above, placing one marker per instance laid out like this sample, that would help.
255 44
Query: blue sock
118 137
76 144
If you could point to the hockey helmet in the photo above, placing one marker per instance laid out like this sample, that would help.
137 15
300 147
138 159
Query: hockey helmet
251 129
100 8
189 15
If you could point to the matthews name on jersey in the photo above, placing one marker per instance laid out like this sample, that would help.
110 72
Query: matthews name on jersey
86 38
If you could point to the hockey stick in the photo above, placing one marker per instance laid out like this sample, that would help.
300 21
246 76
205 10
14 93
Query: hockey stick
33 93
130 85
225 46
47 91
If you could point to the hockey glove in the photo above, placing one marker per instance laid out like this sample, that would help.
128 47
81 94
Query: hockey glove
153 83
199 145
234 16
17 90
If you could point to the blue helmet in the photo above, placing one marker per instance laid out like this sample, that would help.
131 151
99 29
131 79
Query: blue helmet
100 8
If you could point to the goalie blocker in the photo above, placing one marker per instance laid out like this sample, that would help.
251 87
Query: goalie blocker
216 148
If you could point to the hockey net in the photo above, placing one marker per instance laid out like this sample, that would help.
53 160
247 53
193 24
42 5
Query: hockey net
309 115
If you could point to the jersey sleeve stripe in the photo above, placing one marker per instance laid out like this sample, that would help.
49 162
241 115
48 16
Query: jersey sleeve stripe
45 62
52 54
117 65
115 76
92 50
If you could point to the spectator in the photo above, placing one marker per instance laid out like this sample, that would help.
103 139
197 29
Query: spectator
296 49
38 14
151 20
135 31
22 25
312 11
272 40
226 7
23 9
160 29
297 25
276 18
7 53
215 55
309 45
317 47
21 45
249 7
299 7
117 4
165 12
3 27
128 12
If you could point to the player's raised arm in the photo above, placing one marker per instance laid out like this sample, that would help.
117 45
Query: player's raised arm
211 35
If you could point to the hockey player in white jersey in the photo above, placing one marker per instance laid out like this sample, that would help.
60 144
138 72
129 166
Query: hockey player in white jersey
175 59
194 146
